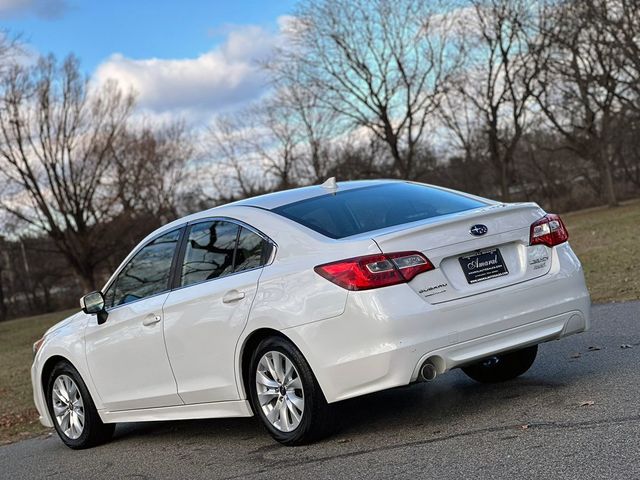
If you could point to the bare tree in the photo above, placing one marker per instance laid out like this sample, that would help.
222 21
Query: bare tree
497 82
582 85
314 127
234 172
7 52
277 143
381 64
3 267
274 142
10 49
150 170
620 20
56 144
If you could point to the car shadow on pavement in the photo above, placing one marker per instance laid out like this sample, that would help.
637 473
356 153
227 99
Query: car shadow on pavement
433 406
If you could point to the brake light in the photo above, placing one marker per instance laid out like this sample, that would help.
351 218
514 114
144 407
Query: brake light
549 230
375 271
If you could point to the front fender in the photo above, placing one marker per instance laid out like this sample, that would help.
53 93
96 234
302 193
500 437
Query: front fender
65 343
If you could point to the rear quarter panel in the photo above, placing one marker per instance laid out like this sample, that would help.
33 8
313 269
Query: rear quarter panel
290 293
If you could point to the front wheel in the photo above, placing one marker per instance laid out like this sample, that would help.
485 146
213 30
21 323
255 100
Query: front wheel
285 394
505 366
73 412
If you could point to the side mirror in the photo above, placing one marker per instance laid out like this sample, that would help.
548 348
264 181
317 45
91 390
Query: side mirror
93 304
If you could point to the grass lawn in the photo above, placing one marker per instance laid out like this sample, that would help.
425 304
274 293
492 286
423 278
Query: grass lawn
604 239
18 415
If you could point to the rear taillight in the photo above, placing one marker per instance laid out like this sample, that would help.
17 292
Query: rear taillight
375 271
549 231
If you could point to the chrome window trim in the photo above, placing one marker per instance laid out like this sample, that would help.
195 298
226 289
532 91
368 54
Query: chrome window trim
138 300
238 222
186 226
182 287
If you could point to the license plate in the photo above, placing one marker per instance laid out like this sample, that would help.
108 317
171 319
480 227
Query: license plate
483 265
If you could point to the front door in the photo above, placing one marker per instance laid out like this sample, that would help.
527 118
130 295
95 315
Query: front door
126 355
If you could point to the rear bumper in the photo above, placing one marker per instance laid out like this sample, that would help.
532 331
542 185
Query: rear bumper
385 335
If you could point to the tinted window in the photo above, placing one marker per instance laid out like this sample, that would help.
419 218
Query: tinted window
147 273
365 209
251 251
210 251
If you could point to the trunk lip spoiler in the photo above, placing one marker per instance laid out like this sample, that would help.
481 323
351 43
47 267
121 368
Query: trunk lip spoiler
396 231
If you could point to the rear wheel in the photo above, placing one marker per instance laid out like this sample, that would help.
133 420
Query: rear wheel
285 395
72 410
505 366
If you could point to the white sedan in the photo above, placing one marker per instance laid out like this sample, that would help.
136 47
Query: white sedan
281 305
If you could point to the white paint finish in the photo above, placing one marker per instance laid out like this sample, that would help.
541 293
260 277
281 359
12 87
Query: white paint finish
450 230
355 342
128 360
444 242
63 340
237 408
201 333
276 199
379 340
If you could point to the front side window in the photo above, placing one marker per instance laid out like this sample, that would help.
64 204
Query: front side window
210 251
146 274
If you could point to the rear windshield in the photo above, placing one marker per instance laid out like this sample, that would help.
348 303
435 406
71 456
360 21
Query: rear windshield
365 209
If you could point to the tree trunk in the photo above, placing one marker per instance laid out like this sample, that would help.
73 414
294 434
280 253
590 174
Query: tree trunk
609 188
3 305
606 178
88 278
504 181
85 272
391 139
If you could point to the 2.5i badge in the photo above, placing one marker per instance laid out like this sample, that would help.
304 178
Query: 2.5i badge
538 257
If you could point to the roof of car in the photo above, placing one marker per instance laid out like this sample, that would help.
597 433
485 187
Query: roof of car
285 197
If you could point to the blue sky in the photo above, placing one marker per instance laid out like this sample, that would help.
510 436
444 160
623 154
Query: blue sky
158 46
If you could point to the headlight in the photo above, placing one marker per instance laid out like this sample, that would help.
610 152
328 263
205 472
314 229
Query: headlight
36 346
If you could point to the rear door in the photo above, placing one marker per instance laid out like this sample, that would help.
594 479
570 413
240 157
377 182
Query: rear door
474 252
206 313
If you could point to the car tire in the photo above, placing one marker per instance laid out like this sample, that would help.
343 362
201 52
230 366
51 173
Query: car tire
81 427
503 367
277 404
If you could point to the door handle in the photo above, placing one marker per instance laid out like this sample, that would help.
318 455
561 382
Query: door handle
151 320
232 296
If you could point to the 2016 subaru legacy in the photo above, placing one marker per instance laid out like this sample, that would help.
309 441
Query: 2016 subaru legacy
281 305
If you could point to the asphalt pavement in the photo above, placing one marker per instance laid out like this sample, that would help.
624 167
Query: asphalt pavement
575 414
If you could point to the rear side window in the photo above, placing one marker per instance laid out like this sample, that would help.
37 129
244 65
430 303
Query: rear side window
362 210
253 251
209 253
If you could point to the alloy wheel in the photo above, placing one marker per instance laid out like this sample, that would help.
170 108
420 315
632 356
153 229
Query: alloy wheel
280 391
68 407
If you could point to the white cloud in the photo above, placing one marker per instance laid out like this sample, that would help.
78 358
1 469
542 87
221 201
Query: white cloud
223 78
48 9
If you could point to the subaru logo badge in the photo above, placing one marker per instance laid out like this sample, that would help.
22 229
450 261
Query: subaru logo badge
478 230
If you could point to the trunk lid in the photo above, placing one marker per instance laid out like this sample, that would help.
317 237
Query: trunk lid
496 259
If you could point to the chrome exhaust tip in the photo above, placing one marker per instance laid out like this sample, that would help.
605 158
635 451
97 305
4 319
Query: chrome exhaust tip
428 371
